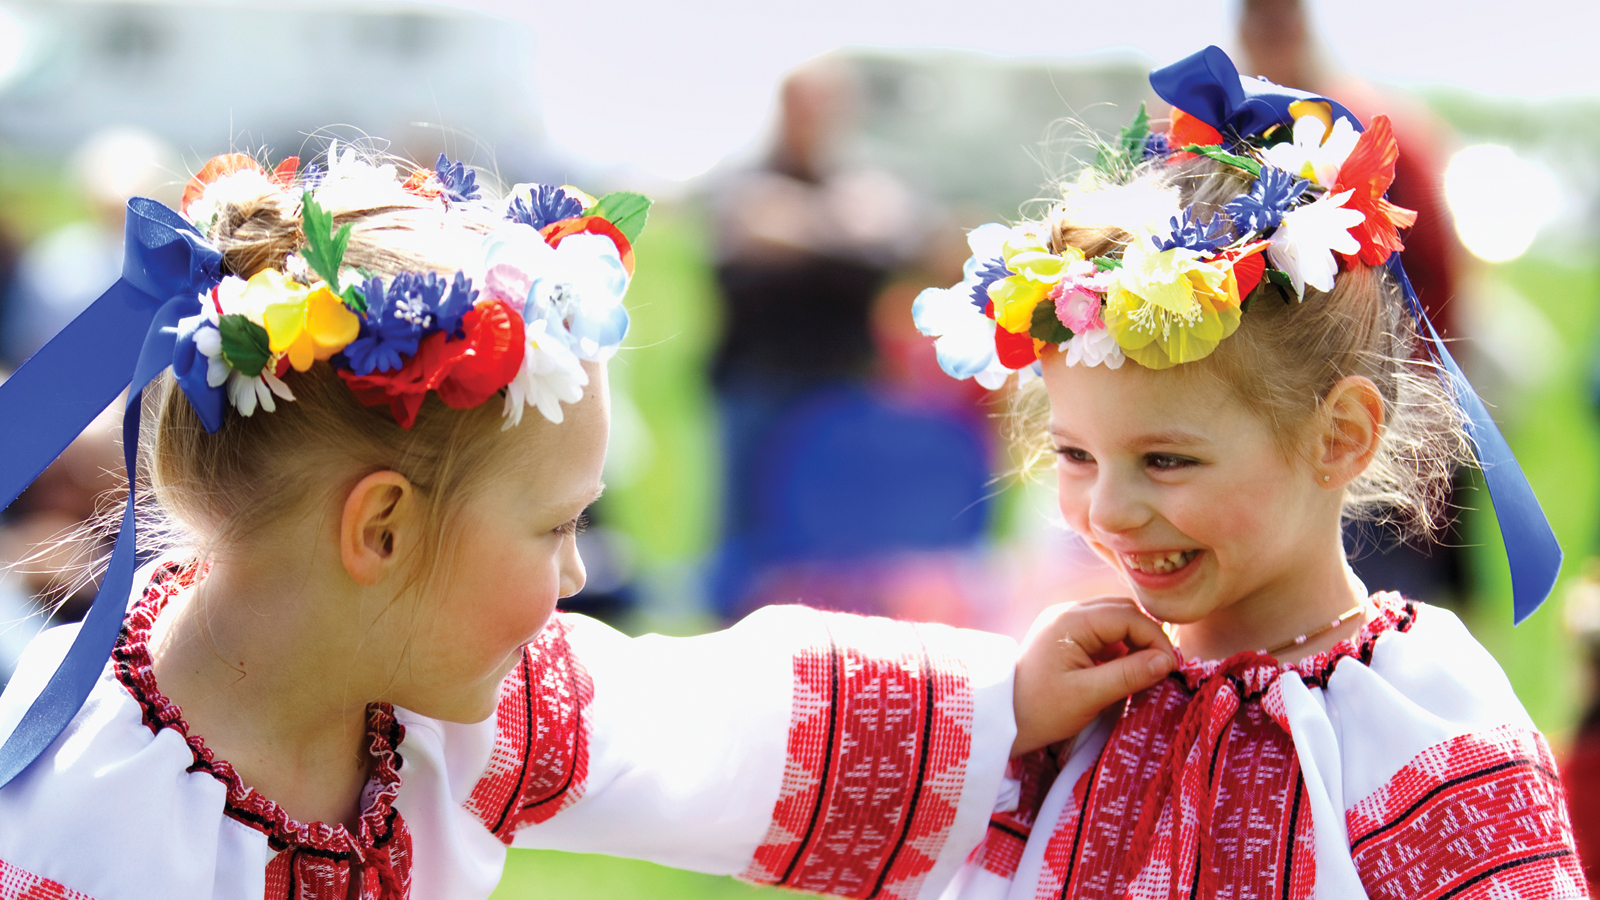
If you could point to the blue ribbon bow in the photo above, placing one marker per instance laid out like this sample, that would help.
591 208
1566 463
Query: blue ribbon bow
1207 86
48 402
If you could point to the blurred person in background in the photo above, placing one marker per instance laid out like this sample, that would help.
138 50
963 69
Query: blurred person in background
1580 770
1279 45
826 468
45 579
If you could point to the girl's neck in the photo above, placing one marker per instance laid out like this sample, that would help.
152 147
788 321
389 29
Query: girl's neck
267 676
1325 590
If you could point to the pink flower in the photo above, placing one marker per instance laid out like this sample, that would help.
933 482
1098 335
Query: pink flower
1077 308
507 283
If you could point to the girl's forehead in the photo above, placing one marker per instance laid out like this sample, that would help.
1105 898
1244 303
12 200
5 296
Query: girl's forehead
1135 403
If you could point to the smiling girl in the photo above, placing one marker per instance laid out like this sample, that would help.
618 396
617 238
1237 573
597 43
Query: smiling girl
1229 354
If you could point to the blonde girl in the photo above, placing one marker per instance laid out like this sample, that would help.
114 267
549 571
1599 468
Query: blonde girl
1229 354
374 408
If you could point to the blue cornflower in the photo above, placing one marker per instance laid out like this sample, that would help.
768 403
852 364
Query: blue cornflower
455 305
1207 237
989 273
458 182
545 203
311 176
390 330
1156 145
1270 197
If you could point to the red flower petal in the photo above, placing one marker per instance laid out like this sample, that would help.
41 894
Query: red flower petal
555 231
418 184
1016 351
1368 172
283 175
218 166
1248 266
1186 129
465 373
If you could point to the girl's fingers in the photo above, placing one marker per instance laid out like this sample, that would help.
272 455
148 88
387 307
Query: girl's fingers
1105 621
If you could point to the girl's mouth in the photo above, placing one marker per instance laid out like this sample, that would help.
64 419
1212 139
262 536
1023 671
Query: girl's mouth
1158 564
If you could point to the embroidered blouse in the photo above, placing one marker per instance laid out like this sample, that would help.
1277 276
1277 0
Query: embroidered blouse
832 753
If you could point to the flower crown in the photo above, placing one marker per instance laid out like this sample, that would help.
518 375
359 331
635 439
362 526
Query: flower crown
1175 291
541 295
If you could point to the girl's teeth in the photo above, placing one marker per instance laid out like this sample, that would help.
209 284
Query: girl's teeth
1159 563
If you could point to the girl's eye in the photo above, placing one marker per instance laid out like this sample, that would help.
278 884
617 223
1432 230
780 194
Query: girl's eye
1164 462
1074 455
575 525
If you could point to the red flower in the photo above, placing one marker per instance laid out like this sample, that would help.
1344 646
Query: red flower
555 231
464 373
218 166
283 175
1247 265
1016 351
1184 130
418 184
1368 171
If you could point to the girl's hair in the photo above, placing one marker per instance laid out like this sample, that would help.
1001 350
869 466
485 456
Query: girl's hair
1286 356
215 489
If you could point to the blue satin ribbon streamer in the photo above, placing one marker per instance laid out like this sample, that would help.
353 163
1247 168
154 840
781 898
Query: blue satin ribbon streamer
55 394
1209 87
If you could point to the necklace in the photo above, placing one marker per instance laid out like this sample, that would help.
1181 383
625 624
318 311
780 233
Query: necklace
1344 617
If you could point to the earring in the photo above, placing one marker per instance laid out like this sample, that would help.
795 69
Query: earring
1326 479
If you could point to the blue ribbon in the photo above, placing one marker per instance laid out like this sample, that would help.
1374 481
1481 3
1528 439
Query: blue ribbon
1207 86
48 402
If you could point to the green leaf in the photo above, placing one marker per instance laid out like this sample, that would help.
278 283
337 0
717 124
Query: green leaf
324 250
1223 156
1106 263
1132 137
1046 327
1282 280
245 347
624 209
354 299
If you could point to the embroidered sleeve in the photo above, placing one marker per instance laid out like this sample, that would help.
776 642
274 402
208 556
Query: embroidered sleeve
540 761
1482 815
877 763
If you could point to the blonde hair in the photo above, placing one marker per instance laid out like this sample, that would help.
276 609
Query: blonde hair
212 489
1286 357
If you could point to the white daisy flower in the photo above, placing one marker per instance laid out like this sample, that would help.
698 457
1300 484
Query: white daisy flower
1317 152
551 375
1304 244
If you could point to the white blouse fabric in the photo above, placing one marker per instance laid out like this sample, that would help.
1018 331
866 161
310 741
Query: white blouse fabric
825 752
1399 764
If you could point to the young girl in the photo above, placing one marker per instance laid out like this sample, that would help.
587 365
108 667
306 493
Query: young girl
1231 368
346 679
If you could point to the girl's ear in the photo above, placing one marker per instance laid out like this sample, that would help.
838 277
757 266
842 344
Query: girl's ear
378 518
1351 424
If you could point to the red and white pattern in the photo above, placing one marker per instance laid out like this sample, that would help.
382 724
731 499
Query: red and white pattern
1480 816
540 762
1008 834
877 757
18 884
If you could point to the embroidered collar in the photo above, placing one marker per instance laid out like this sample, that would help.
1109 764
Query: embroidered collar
135 669
1392 612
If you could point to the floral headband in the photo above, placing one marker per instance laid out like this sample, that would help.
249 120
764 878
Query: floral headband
1174 292
1178 288
541 293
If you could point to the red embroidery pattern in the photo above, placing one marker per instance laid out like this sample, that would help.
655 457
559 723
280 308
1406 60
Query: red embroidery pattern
541 744
1229 816
877 759
315 861
19 884
1479 816
1001 850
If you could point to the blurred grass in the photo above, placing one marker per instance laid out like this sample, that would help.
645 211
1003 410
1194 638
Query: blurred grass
577 876
1553 431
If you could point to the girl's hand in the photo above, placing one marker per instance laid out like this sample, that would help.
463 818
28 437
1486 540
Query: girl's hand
1079 658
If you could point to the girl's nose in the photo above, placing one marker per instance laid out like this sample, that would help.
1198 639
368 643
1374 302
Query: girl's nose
573 575
1115 505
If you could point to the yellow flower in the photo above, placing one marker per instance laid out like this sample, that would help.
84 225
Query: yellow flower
265 288
1037 271
1170 307
313 327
